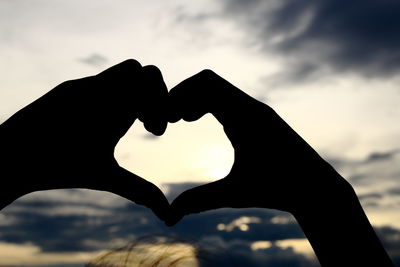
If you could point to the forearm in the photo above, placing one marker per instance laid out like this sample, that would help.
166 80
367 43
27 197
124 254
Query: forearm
340 232
11 184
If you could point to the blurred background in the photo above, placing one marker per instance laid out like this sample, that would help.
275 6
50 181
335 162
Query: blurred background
329 68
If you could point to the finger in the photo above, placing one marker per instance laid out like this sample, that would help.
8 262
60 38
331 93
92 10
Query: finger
187 99
138 190
114 93
202 198
121 70
155 96
206 92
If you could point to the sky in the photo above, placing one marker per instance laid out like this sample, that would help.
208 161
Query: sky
329 68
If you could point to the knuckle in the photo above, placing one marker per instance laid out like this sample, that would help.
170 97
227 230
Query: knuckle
122 69
209 77
131 63
76 83
152 70
269 110
207 73
68 83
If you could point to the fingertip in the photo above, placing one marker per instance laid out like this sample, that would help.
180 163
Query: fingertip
122 67
130 63
192 116
157 128
174 119
173 110
152 71
159 131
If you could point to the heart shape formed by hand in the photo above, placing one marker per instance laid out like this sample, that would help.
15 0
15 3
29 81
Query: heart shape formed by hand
196 152
261 141
68 138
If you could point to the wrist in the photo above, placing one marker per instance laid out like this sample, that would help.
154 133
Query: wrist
329 192
9 190
338 229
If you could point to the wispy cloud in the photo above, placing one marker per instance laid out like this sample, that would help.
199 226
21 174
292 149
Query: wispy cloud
95 60
149 136
381 156
316 37
374 178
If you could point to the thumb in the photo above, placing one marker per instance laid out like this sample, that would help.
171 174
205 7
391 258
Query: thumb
140 191
202 198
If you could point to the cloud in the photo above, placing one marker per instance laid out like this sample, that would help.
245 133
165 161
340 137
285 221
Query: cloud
229 233
316 37
149 136
374 177
390 238
175 189
359 36
379 156
370 199
96 60
364 172
27 254
92 220
394 191
370 196
210 223
68 223
7 220
220 252
77 196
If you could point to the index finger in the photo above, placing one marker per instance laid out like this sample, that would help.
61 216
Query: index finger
155 97
206 92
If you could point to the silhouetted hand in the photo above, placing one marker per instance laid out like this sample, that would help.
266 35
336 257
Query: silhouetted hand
273 168
66 138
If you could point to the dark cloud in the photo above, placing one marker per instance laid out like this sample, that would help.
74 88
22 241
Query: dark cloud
91 221
360 36
198 225
394 191
94 59
390 238
87 221
318 37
